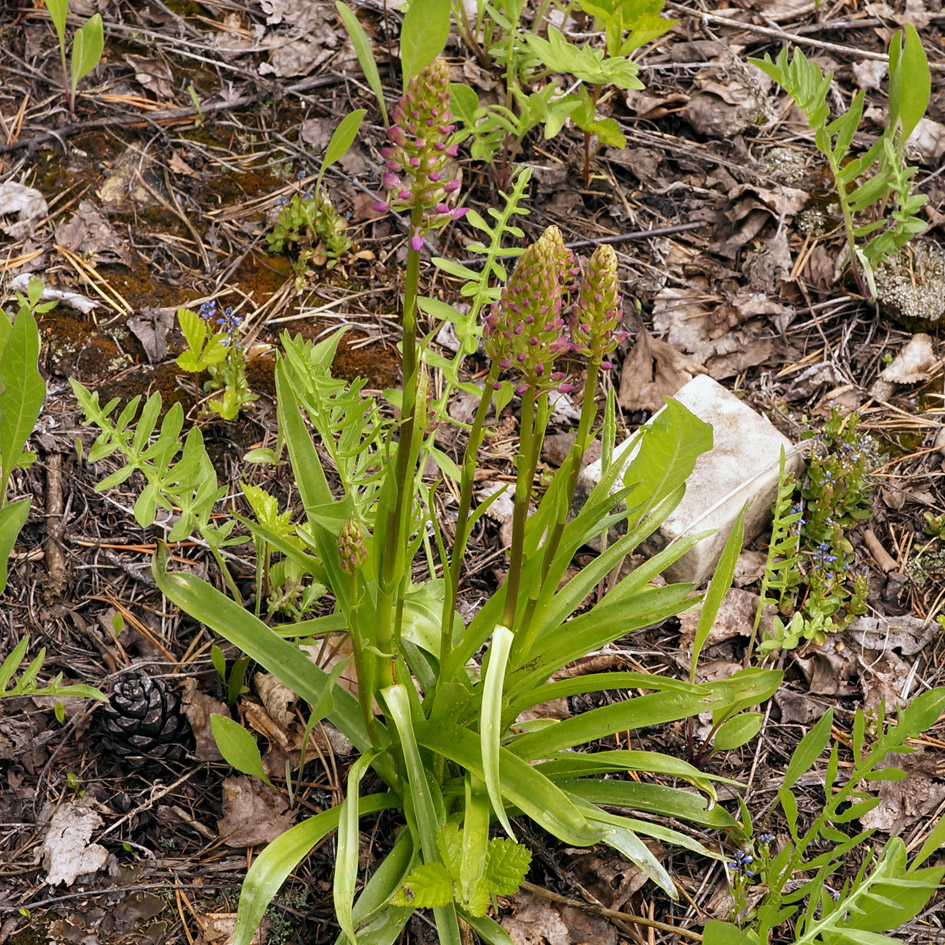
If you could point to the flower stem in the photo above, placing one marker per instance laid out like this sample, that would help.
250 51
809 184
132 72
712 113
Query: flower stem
396 537
581 442
526 462
461 535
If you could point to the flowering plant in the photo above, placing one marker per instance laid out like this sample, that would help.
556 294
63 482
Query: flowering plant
438 704
219 352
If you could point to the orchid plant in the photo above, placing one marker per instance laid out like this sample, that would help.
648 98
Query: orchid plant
438 704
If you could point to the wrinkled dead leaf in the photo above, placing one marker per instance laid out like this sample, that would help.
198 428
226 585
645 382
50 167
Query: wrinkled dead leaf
536 921
67 853
652 371
88 233
252 813
198 707
914 363
734 619
829 671
150 327
905 802
909 635
276 696
154 74
869 73
177 165
217 928
612 880
23 203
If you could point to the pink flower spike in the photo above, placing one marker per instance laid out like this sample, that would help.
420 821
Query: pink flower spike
606 365
521 388
434 176
441 208
416 243
453 150
405 195
381 207
460 212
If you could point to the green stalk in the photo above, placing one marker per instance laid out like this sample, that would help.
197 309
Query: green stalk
588 414
395 539
527 460
461 536
361 662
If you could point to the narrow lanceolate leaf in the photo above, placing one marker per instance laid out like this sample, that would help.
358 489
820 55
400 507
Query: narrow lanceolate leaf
346 866
273 866
491 722
12 518
808 750
365 54
22 392
916 83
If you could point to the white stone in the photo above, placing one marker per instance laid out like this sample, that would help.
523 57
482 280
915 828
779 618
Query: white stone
741 467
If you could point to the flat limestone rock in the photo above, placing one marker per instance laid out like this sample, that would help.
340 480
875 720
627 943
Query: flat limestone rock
742 466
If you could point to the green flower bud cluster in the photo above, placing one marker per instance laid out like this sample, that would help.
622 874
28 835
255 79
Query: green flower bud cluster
524 332
351 548
596 314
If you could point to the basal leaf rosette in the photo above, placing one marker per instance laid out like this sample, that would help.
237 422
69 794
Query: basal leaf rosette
596 313
418 177
525 332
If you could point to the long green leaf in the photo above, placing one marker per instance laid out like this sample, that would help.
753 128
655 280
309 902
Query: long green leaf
808 750
490 729
423 35
362 49
12 519
22 392
398 703
243 629
273 866
718 588
916 83
341 140
653 709
522 785
346 864
87 47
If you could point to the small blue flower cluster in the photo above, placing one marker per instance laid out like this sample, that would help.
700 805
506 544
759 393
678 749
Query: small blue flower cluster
229 322
741 863
822 557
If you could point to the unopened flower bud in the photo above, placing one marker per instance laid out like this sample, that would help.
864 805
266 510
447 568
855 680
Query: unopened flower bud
351 548
596 314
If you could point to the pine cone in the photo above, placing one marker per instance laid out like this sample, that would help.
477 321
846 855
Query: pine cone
143 717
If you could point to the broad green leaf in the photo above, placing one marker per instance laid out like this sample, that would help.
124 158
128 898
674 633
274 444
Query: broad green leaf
490 726
87 46
428 886
808 750
424 33
507 865
273 866
718 588
671 444
341 140
12 519
58 9
365 54
22 392
916 83
12 663
725 933
238 747
737 730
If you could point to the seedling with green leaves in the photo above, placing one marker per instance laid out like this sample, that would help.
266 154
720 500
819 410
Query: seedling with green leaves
866 185
88 43
809 574
805 881
25 684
